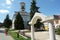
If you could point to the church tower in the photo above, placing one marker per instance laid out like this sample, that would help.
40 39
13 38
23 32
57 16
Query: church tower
24 14
22 4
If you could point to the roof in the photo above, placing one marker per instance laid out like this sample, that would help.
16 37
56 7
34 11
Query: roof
56 16
23 13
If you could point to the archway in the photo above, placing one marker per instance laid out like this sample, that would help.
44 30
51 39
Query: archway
51 28
39 26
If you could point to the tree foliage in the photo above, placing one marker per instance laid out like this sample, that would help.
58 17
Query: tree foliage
58 31
39 24
7 22
33 8
19 24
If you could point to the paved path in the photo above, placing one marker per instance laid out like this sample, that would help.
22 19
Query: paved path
42 36
3 36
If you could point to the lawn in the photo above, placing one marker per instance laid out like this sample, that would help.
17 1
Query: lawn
13 34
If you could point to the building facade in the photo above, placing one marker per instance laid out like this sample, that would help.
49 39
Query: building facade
55 21
24 15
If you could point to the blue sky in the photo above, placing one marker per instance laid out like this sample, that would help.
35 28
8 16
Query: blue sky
47 7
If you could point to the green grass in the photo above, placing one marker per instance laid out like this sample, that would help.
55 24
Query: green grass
12 30
13 34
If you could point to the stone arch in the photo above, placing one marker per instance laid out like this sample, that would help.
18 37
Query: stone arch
35 19
40 16
37 16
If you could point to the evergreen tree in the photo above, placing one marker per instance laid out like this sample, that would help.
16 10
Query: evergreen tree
19 24
7 22
33 8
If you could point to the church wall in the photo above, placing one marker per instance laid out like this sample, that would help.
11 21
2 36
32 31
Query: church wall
25 19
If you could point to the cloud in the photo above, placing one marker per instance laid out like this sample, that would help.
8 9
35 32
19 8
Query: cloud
8 2
12 0
5 6
4 11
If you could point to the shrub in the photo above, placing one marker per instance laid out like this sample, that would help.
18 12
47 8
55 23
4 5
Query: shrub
58 31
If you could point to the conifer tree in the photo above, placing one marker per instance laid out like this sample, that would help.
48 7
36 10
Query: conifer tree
7 22
33 8
19 24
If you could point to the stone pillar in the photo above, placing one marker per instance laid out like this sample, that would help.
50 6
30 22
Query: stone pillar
32 32
51 32
13 24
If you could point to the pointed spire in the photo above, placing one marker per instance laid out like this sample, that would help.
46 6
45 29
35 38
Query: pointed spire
33 1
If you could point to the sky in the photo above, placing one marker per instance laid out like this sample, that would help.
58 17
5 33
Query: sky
47 7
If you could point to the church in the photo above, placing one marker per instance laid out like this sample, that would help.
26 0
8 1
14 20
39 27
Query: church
24 15
55 19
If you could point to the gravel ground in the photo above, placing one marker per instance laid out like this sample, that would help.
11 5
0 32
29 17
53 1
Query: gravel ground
3 36
42 35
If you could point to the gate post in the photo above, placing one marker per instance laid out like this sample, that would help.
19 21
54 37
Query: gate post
51 31
32 32
13 24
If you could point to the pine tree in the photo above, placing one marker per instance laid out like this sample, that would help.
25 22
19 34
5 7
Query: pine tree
7 22
19 24
33 8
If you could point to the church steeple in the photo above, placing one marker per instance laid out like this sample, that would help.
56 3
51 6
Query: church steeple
22 6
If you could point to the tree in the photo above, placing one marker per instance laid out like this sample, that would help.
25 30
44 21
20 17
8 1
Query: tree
33 8
7 22
39 24
19 24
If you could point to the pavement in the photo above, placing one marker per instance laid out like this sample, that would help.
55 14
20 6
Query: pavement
38 35
42 35
3 36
